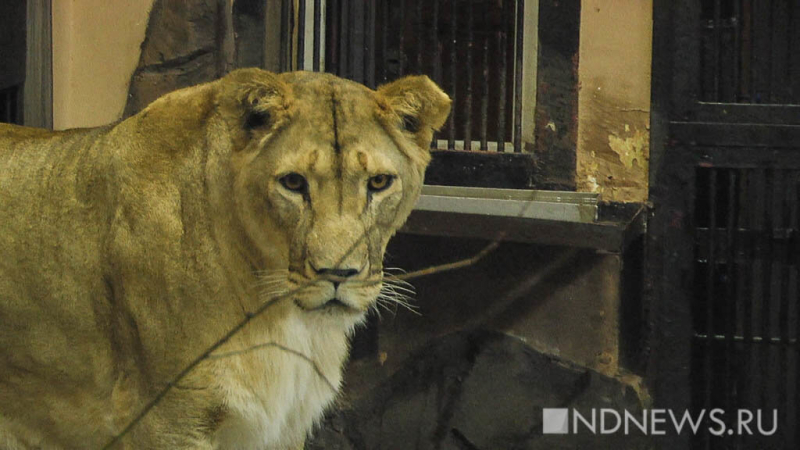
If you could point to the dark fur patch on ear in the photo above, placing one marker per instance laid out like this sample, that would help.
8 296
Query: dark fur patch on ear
410 123
256 119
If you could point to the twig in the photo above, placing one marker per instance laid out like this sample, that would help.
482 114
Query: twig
174 382
453 265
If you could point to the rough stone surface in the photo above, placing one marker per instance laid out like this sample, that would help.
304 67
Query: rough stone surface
182 48
477 390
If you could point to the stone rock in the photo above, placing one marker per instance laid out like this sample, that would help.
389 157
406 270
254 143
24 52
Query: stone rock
477 390
182 48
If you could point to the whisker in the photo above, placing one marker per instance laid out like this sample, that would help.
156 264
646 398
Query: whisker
399 292
396 288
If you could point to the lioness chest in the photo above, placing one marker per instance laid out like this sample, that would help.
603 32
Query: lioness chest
277 386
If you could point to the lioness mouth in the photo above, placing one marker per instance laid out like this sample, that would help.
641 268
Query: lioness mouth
334 302
329 304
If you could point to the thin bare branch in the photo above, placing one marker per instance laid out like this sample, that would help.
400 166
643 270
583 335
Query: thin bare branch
453 265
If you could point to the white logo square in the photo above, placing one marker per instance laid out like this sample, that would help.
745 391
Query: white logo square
555 421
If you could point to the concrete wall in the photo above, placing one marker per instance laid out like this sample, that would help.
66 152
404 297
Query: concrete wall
614 100
95 50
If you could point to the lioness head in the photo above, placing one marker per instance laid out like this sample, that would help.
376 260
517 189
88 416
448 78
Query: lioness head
326 172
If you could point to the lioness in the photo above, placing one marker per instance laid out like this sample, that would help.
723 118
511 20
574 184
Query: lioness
128 250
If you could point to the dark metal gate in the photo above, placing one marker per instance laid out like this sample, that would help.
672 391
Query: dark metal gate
725 237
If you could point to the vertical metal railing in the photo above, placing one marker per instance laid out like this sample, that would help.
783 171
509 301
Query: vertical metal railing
473 49
751 51
747 304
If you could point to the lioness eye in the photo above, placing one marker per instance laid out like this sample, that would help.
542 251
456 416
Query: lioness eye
294 182
380 182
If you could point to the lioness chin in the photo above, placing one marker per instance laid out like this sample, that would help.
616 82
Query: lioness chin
130 249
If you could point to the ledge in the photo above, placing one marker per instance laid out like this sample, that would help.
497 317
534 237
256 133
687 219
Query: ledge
528 216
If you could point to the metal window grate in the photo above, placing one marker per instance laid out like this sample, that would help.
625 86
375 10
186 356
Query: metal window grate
9 105
472 48
746 304
750 51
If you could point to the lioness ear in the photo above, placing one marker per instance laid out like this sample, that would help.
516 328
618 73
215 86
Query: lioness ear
419 104
257 100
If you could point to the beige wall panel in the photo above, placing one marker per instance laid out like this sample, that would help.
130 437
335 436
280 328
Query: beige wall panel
96 46
614 100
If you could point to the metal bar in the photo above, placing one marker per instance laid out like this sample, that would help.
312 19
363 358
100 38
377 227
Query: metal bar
451 140
754 95
401 50
369 44
470 68
710 294
737 49
793 268
286 39
783 277
795 223
437 57
501 104
291 55
766 275
518 77
301 35
420 34
356 43
485 96
317 35
742 300
746 26
522 195
344 38
761 50
716 48
747 328
386 6
437 51
332 36
771 62
509 207
794 55
781 43
730 291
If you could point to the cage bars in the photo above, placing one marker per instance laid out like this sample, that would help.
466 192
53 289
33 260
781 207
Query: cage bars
749 51
472 49
747 314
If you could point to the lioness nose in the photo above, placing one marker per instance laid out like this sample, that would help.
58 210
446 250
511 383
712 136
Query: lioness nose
339 273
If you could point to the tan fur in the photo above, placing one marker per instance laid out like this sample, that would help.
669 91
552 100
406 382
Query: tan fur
127 250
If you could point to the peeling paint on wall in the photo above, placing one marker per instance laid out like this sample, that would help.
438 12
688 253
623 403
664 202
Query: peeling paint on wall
631 150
